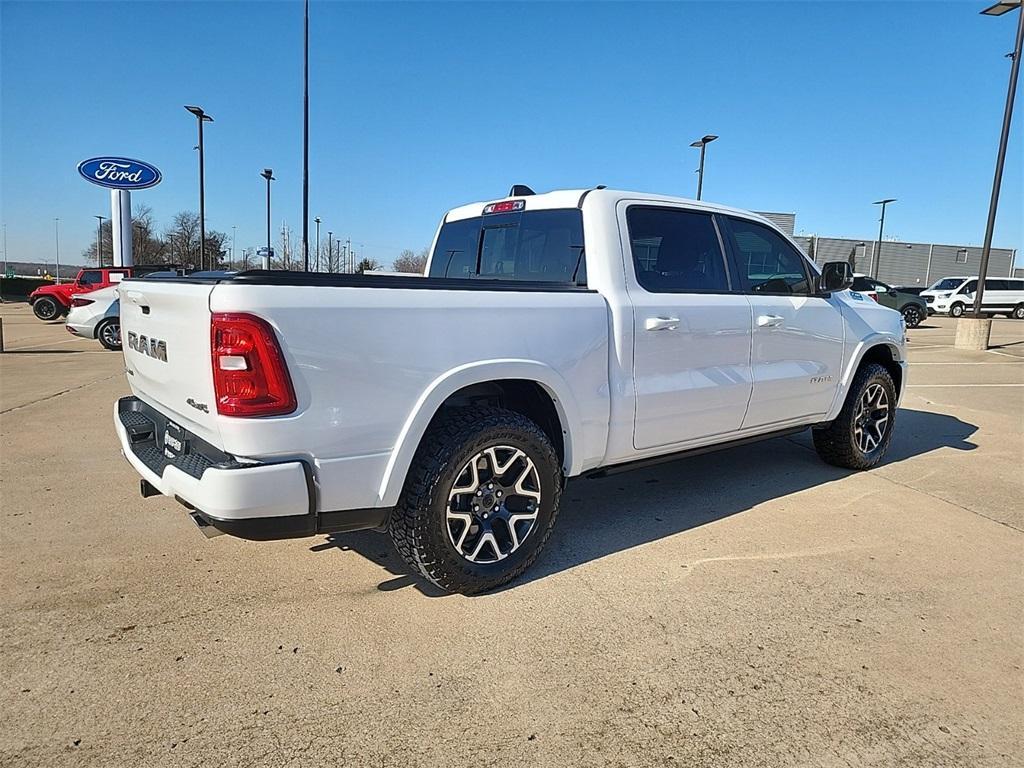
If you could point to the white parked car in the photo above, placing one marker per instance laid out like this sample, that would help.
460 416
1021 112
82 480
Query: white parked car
568 334
96 315
955 296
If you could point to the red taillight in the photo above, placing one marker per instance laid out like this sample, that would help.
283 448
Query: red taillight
507 206
250 377
76 302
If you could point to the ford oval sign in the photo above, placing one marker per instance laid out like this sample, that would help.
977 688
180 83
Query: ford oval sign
119 172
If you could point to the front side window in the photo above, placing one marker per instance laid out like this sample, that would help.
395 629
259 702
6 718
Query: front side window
91 277
675 250
969 287
545 246
767 263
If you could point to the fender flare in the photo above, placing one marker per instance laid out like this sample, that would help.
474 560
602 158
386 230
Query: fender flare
862 347
451 381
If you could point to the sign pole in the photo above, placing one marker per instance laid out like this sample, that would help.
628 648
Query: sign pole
121 226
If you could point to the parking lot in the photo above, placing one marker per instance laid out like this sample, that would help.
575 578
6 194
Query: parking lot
753 607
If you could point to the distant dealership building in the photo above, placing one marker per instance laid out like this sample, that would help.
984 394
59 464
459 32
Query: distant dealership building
901 263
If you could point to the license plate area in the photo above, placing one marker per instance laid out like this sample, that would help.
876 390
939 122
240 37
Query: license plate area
175 442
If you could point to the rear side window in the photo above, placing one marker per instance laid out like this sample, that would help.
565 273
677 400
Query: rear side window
545 246
675 251
767 263
994 285
862 284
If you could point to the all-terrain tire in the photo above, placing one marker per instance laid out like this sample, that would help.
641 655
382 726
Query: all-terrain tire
836 443
108 333
47 309
418 524
957 310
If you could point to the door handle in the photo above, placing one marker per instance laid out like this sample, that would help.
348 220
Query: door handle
661 323
769 321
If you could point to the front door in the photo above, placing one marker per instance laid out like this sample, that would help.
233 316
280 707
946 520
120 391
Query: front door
691 353
797 351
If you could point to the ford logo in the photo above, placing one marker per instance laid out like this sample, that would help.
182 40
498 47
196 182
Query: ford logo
119 172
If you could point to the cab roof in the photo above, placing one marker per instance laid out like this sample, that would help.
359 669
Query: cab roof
574 198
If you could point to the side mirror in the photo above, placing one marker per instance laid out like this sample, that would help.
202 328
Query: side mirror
835 276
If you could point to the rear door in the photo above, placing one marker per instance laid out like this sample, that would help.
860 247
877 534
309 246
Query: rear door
797 351
691 355
165 334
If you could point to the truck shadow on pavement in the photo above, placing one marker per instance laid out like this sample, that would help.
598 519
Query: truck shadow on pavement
604 516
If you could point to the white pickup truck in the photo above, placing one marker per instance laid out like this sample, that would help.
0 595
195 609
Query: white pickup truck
554 335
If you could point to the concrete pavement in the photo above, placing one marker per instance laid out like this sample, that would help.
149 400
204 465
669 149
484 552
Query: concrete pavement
753 607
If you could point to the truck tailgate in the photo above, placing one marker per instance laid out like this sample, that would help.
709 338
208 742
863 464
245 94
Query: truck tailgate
165 331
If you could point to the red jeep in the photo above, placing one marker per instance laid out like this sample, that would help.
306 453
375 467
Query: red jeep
51 302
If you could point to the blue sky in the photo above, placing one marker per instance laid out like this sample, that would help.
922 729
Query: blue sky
822 107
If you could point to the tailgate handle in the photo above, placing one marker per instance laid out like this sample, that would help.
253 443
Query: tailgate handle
136 297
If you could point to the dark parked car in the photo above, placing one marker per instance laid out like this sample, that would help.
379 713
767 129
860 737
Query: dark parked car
914 289
912 307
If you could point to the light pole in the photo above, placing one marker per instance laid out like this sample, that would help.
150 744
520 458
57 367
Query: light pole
330 250
201 117
317 220
305 140
702 143
234 234
99 239
268 174
56 241
881 227
1004 6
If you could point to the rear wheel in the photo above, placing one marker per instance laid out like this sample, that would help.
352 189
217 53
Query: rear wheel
480 500
860 435
956 310
1018 312
913 315
47 308
109 334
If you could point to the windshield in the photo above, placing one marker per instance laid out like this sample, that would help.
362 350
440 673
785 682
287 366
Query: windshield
947 284
531 245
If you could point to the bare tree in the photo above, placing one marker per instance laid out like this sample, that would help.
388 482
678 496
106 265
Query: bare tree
366 264
408 261
147 247
183 239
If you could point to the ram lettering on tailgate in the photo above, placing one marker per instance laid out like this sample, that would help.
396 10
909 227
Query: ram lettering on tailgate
155 348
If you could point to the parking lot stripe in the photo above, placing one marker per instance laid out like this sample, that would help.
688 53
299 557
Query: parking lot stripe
940 386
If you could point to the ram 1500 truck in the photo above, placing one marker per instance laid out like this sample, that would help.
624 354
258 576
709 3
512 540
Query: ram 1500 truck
554 335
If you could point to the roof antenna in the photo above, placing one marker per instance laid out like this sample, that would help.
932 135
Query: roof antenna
520 190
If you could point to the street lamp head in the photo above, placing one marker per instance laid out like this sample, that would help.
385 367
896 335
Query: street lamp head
198 112
706 140
884 202
1003 6
317 219
268 174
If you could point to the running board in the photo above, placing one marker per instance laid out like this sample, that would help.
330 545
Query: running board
628 466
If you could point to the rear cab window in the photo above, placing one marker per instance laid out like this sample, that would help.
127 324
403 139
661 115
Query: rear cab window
540 246
676 250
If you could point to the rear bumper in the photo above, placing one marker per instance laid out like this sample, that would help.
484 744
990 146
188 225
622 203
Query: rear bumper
250 500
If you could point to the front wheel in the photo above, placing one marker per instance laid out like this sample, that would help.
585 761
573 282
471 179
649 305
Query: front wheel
913 315
1018 312
957 310
47 308
109 334
860 435
480 500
